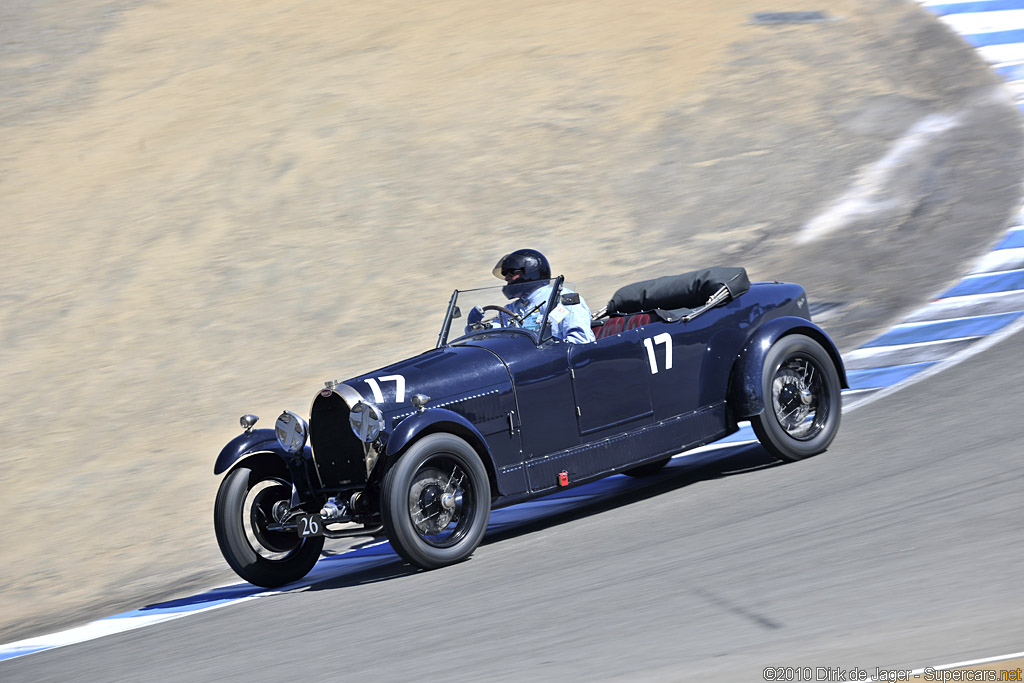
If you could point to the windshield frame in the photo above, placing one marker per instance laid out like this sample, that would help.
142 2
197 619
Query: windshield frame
537 337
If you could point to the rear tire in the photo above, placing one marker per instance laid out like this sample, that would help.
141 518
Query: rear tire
802 400
240 514
436 501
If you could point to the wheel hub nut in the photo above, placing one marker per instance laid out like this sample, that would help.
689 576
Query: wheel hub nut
806 396
448 501
280 510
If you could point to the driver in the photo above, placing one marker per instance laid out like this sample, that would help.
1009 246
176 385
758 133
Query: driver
527 278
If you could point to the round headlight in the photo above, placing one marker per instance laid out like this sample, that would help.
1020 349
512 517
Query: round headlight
366 421
291 431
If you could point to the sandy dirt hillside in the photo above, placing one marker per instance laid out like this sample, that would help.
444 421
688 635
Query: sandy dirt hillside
208 209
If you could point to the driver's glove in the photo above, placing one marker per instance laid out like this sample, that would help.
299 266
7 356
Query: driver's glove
475 315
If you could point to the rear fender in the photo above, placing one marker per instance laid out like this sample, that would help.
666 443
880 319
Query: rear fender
745 396
440 420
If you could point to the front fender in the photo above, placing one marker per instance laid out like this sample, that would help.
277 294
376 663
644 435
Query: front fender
745 396
437 420
256 441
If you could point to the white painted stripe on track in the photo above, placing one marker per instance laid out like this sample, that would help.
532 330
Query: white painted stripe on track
1000 260
985 22
976 662
1016 232
103 627
971 277
1002 54
983 344
989 303
867 352
904 354
920 324
917 673
857 392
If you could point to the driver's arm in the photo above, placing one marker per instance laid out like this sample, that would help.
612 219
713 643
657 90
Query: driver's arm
573 323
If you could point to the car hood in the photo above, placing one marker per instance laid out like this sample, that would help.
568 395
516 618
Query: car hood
449 376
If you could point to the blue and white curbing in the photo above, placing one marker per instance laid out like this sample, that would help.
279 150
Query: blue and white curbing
995 28
986 306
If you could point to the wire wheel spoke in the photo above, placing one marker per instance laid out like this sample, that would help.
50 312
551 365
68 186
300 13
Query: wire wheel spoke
439 501
798 398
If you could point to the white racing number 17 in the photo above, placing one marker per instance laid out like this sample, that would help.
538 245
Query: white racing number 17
378 395
663 338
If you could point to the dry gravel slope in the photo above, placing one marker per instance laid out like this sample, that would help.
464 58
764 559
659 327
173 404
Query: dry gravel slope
209 211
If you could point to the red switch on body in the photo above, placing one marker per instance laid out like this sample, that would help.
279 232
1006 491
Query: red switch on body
563 478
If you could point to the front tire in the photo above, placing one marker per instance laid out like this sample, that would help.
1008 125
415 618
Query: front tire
243 508
802 400
436 501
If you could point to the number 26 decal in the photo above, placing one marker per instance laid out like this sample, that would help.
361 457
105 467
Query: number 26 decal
378 396
663 338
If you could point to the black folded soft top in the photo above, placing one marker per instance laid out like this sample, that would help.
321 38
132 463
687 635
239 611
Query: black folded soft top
672 296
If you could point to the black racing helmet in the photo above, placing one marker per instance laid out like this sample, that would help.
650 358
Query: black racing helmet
530 261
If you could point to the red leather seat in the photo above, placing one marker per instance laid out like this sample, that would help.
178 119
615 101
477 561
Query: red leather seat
619 324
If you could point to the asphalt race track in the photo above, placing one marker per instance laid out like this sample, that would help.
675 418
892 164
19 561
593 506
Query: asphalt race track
896 548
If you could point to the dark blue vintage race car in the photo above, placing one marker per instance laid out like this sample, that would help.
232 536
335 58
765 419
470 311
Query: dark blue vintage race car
497 413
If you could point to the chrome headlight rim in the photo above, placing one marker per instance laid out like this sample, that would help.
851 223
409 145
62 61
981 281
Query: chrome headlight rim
292 432
366 421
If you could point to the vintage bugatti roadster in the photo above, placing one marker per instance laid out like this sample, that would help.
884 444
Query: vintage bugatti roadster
497 413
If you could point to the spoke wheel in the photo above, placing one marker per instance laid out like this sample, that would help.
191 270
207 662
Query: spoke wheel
436 501
242 511
801 407
800 387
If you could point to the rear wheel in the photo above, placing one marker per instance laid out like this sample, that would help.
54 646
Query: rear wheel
802 400
241 513
435 502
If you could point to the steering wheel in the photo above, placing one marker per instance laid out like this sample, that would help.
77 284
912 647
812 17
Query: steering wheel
504 310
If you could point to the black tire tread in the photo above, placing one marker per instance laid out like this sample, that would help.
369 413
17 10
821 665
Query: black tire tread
230 532
765 425
395 515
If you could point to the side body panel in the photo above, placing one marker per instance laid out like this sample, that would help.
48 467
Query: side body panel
627 449
659 389
545 407
611 385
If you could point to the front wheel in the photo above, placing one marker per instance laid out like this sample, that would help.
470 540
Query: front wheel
244 508
802 400
435 502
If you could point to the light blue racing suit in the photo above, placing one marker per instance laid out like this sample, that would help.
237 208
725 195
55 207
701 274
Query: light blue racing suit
571 323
